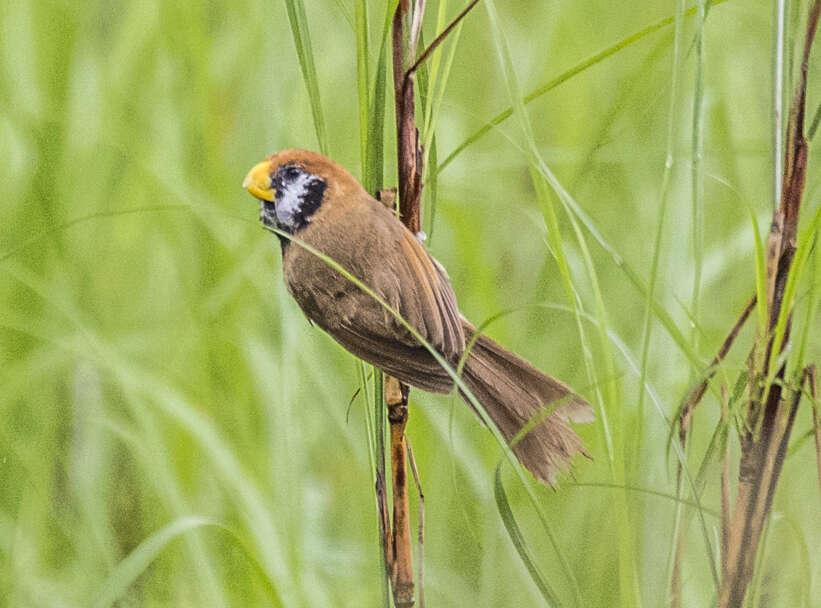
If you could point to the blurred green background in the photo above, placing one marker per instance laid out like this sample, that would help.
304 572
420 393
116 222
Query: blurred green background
156 378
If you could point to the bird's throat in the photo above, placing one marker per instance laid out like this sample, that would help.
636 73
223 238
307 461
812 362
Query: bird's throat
268 214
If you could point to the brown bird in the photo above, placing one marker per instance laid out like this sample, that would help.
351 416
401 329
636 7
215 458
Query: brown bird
313 198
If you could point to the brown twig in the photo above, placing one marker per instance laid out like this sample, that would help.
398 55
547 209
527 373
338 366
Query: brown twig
695 395
440 38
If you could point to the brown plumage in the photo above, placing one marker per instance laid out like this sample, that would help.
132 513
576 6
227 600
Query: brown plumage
321 204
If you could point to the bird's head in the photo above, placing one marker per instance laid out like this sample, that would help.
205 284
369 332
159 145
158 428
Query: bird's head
293 184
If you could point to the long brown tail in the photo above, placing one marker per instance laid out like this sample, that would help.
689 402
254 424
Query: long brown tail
514 392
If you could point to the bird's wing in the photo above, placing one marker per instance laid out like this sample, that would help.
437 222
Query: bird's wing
391 262
414 285
420 290
411 282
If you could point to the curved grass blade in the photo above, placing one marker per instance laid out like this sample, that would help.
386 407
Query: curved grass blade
647 492
521 545
537 166
48 232
136 563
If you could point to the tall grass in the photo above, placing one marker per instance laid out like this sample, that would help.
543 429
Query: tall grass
172 431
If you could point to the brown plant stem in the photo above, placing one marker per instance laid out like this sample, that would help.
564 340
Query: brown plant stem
409 155
402 570
684 420
755 496
772 403
405 32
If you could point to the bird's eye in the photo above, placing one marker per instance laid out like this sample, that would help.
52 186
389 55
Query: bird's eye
292 173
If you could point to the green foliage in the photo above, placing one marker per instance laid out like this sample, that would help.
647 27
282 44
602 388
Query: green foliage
172 431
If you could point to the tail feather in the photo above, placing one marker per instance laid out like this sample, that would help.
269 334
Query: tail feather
514 392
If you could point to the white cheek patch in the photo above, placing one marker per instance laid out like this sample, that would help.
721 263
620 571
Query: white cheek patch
290 198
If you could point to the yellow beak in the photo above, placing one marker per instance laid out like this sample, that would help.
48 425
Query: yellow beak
258 182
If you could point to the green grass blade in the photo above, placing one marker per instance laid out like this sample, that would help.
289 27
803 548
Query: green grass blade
520 543
812 306
650 295
663 200
816 120
802 252
346 13
537 164
438 85
362 76
432 190
697 169
561 79
138 561
302 40
374 419
648 492
375 157
778 76
130 568
760 276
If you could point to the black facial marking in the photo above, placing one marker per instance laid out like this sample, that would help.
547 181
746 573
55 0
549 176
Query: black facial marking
314 191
